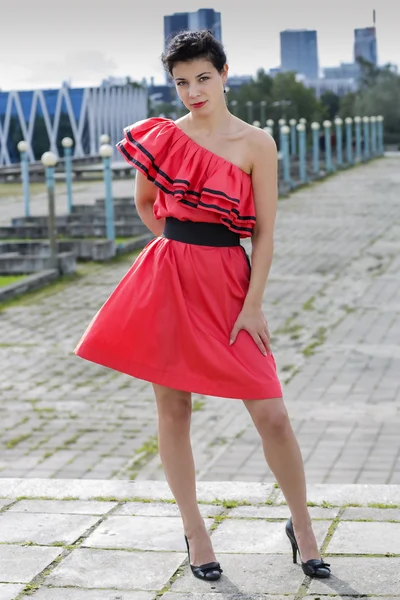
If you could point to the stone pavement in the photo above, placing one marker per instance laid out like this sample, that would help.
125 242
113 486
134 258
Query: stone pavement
333 304
112 540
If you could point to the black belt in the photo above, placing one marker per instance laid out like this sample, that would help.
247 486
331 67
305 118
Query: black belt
200 234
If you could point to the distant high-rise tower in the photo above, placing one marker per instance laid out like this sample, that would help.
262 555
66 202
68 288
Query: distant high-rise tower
365 44
299 52
205 18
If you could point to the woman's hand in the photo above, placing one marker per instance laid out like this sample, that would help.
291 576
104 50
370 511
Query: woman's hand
253 321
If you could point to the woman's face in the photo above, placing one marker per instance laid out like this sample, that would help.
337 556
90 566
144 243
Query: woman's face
200 86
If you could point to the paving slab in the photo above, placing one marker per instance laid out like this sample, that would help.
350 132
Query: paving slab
336 596
365 538
71 507
140 533
9 591
21 564
225 596
207 491
280 512
159 509
357 576
247 574
43 529
80 594
351 494
245 536
116 569
371 514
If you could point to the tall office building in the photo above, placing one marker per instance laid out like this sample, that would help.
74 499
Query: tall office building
299 52
365 44
205 18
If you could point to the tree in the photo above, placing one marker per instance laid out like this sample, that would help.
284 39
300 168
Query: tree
347 105
284 96
256 91
378 95
331 103
303 102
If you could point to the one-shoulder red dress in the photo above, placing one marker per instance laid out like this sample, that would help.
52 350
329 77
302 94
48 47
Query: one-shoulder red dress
169 319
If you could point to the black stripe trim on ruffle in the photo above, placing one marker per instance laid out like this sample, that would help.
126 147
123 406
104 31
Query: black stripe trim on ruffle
167 177
149 156
236 227
141 166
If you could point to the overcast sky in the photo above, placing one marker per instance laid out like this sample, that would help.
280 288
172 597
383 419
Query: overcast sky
43 43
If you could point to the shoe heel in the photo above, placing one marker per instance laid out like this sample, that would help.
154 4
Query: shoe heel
294 551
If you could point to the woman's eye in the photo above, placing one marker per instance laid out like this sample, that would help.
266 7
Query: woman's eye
180 83
204 78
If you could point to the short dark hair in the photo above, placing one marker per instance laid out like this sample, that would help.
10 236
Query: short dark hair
190 45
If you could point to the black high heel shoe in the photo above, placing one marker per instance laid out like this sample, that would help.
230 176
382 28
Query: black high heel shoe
313 568
210 571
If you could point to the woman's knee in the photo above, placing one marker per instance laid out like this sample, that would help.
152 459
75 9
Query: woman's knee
173 406
269 416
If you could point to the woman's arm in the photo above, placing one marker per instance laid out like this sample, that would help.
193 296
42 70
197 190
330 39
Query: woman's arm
145 196
265 191
264 179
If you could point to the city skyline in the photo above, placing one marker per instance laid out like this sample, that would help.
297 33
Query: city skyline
84 46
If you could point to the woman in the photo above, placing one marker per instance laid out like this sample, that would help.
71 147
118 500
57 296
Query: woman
188 314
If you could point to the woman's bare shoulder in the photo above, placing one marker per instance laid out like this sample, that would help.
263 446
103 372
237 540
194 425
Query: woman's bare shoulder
260 145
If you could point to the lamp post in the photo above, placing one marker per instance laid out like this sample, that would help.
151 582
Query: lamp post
256 124
263 105
357 121
301 128
67 144
349 140
106 152
23 149
328 148
249 105
281 123
373 135
379 120
285 130
366 137
49 160
315 130
339 141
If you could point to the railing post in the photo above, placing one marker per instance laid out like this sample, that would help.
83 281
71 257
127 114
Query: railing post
315 132
328 146
366 138
349 140
293 137
67 144
106 152
286 154
49 160
357 121
339 141
301 128
23 148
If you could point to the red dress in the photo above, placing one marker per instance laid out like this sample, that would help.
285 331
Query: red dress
169 319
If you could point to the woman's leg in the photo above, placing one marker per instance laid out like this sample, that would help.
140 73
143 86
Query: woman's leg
174 413
283 456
